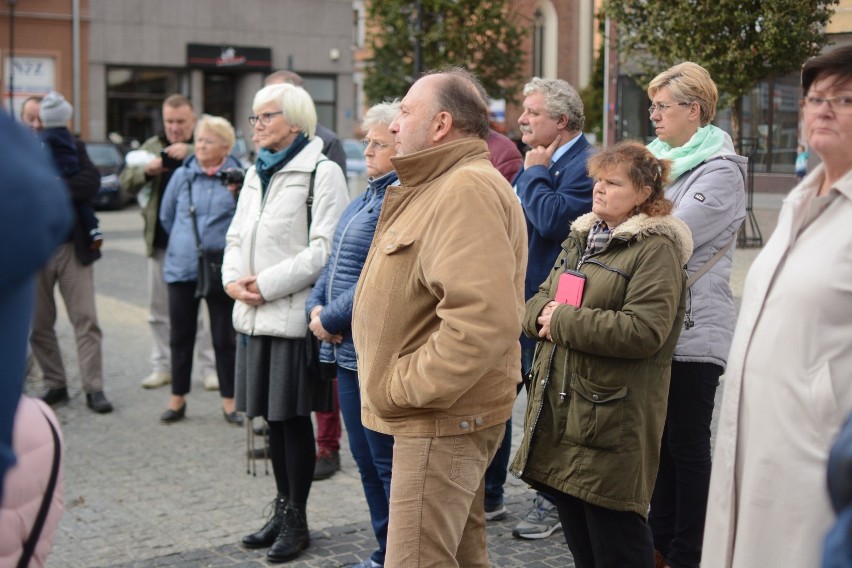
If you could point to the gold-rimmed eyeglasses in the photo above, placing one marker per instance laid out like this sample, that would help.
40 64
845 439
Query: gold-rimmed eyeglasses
366 143
841 104
663 108
264 118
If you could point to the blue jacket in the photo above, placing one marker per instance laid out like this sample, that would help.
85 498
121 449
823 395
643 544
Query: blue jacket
335 289
838 542
552 198
35 218
214 208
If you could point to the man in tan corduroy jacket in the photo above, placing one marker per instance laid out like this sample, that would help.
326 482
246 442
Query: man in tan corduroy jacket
436 320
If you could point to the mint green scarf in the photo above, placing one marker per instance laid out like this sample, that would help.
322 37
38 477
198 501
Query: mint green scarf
705 143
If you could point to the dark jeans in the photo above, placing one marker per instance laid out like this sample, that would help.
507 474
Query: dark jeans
183 314
679 502
373 452
603 538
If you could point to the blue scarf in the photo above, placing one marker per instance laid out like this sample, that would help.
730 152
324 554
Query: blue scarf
269 162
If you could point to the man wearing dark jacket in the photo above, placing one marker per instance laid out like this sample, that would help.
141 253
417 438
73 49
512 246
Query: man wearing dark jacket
554 189
70 267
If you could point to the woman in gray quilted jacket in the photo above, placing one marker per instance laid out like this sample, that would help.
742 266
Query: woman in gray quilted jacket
708 194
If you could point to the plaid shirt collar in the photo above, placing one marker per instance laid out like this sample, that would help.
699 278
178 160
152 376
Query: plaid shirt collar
598 238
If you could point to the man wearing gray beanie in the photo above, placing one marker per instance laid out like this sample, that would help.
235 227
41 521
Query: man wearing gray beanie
71 264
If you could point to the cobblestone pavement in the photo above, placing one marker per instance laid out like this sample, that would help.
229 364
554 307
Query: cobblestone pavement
139 493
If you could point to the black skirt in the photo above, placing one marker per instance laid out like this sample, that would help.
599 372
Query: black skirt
272 379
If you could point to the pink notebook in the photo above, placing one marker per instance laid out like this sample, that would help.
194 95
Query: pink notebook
570 288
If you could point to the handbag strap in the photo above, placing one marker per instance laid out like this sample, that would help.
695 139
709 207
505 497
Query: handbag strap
309 202
709 264
41 517
192 216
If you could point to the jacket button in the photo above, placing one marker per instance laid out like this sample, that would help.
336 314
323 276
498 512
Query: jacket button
464 425
543 381
389 247
595 397
478 421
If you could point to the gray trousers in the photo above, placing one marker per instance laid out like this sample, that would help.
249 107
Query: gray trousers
77 287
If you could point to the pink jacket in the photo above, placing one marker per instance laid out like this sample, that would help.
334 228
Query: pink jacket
26 482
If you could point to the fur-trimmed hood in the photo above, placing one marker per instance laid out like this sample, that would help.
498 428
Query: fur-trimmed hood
642 225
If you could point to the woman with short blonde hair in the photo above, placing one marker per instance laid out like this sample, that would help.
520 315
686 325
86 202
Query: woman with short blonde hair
707 189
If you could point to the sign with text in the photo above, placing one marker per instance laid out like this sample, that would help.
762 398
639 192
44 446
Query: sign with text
228 57
32 76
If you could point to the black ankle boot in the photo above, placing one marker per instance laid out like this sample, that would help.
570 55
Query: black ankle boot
293 538
267 535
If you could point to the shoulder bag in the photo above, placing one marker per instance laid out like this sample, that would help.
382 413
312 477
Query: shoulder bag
209 279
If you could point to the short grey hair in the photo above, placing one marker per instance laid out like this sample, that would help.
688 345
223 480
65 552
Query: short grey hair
559 98
218 126
382 113
295 102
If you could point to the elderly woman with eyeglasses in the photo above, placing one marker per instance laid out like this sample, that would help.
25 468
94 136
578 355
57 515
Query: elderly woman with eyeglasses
273 257
788 388
329 309
708 193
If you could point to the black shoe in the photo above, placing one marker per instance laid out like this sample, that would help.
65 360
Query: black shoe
267 535
234 418
53 396
260 429
293 538
326 466
97 401
170 415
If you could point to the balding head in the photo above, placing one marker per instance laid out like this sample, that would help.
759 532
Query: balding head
284 76
439 108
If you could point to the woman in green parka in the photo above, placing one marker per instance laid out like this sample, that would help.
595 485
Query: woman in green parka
598 386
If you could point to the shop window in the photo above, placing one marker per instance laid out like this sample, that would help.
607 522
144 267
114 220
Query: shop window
324 92
135 98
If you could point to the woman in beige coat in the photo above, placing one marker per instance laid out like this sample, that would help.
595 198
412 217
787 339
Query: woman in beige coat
787 388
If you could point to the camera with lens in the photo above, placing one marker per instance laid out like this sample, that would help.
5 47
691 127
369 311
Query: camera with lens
234 176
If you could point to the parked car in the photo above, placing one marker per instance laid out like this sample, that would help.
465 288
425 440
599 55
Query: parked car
109 159
356 164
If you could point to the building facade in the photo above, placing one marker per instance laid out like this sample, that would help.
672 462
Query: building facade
133 54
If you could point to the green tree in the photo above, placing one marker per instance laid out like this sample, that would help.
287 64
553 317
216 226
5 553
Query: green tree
482 36
739 42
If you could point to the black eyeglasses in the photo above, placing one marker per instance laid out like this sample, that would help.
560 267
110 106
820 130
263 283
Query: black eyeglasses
663 108
264 118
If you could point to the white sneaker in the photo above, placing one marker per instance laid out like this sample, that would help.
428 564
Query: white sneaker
211 381
156 380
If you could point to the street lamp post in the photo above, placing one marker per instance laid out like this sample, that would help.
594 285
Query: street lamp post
12 57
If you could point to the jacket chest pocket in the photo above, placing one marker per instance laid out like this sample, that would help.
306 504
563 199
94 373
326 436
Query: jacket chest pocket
596 414
398 256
